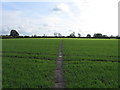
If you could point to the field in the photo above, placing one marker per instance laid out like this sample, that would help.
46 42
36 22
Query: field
87 63
90 63
29 63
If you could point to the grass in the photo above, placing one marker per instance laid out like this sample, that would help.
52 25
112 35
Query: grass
80 68
83 74
27 73
90 49
29 63
44 46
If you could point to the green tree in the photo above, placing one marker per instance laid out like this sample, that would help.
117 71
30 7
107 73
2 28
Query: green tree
104 36
72 34
97 35
14 33
88 35
79 35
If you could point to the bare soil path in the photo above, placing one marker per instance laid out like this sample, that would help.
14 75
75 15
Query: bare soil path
59 81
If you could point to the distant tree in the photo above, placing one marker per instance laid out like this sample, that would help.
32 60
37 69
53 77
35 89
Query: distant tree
26 36
79 35
112 36
117 36
59 35
55 34
44 35
35 35
14 33
104 36
88 35
72 34
97 35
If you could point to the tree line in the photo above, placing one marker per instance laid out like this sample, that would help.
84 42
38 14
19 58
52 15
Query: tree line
15 34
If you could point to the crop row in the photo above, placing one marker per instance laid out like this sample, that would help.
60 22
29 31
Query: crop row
29 63
27 73
85 74
69 58
90 47
81 66
45 57
48 46
47 53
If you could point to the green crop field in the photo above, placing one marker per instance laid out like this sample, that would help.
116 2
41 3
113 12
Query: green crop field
90 63
29 63
87 63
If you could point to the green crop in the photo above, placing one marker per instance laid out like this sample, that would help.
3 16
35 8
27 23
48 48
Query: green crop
80 74
27 73
29 63
90 63
87 63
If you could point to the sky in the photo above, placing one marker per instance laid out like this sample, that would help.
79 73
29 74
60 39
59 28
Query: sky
48 17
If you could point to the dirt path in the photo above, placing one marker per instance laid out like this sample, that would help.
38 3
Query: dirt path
59 82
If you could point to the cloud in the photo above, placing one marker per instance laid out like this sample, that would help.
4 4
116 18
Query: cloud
29 26
54 22
62 7
93 17
36 0
97 16
15 20
56 9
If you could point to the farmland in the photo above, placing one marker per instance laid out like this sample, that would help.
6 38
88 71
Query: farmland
29 63
90 63
87 63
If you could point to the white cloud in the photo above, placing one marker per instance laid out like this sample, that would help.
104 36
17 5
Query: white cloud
36 0
15 20
29 26
98 16
63 7
54 22
95 16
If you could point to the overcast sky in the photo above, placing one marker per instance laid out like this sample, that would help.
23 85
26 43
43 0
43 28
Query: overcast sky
79 16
